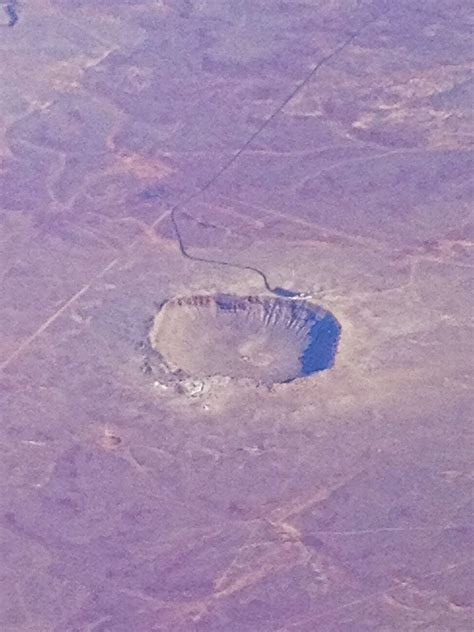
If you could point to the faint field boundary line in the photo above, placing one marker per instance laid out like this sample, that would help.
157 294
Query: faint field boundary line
374 595
26 342
173 211
296 90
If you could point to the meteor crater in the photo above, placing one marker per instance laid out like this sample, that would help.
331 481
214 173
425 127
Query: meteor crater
269 340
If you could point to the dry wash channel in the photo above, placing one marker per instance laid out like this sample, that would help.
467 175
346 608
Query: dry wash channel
263 338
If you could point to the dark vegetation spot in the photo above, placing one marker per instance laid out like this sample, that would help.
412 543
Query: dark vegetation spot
312 541
12 15
153 193
111 441
263 338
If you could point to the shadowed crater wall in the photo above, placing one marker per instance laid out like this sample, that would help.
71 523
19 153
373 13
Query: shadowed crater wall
263 338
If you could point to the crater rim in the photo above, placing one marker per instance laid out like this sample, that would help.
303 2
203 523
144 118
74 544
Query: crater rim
292 338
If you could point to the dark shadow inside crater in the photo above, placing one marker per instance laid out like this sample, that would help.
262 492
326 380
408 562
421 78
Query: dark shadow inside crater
322 345
263 338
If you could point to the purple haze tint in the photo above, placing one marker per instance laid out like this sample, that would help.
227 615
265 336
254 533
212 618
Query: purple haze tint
322 148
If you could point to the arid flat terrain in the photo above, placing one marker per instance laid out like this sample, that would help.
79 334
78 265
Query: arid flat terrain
154 149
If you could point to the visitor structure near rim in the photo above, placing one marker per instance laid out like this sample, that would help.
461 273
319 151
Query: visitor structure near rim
263 338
